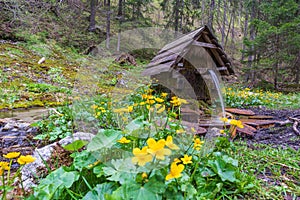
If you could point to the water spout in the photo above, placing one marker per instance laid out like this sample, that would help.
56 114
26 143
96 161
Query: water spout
218 87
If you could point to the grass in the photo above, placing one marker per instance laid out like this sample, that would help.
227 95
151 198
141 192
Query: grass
277 169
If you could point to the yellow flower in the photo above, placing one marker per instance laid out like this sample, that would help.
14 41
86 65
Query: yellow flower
142 103
4 165
157 148
237 123
170 144
197 144
124 140
224 119
148 107
12 155
176 160
175 171
144 175
141 157
23 160
163 95
193 130
180 131
187 159
130 108
150 101
94 106
159 100
160 108
222 131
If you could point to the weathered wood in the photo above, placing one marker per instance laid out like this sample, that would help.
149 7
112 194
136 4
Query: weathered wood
203 44
248 130
240 111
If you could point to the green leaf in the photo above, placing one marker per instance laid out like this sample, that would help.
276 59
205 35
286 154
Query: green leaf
76 145
100 191
136 128
224 172
104 139
122 170
55 183
83 160
136 191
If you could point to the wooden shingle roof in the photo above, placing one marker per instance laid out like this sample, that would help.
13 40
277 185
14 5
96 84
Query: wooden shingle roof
173 52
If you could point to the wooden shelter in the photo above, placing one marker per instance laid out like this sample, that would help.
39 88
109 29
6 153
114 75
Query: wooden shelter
185 62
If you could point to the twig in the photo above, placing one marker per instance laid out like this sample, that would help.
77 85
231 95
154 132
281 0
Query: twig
295 125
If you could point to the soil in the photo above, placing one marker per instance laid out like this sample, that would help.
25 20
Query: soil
278 136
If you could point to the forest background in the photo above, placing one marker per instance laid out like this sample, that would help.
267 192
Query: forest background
262 37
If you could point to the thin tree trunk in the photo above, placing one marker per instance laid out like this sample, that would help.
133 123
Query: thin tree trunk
176 13
224 23
93 5
252 36
120 18
108 24
211 14
297 65
203 12
245 33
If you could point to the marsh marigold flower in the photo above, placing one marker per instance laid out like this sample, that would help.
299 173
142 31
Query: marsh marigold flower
123 140
144 175
12 155
197 144
170 144
4 165
141 156
163 95
157 148
224 119
23 160
186 159
175 171
237 123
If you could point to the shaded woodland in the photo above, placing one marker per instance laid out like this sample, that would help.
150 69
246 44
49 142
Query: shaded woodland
262 38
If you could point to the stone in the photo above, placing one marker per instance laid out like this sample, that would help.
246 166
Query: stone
44 153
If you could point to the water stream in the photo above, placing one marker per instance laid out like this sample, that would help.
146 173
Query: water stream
218 87
211 135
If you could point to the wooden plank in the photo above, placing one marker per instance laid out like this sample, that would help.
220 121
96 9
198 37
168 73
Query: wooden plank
204 44
157 69
248 130
260 123
185 39
240 111
261 117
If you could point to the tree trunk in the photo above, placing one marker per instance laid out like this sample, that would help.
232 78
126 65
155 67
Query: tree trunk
93 5
245 33
203 12
252 36
211 14
176 15
108 24
120 18
224 24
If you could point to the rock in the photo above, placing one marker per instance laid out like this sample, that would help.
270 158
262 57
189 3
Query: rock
43 154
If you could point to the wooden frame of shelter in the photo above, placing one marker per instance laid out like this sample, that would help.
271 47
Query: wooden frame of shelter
186 61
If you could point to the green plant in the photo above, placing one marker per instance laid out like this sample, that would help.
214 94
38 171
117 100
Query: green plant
142 157
57 125
8 179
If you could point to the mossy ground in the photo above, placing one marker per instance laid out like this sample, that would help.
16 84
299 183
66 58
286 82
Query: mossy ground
24 83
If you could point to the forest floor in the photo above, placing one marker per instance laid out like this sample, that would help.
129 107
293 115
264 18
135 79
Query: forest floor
278 136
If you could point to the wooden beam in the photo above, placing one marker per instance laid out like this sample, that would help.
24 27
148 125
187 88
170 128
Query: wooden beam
204 44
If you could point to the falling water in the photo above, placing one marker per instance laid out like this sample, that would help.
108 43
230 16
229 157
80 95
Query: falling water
211 135
217 84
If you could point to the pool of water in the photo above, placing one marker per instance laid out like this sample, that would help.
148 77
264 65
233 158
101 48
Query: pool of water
29 115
